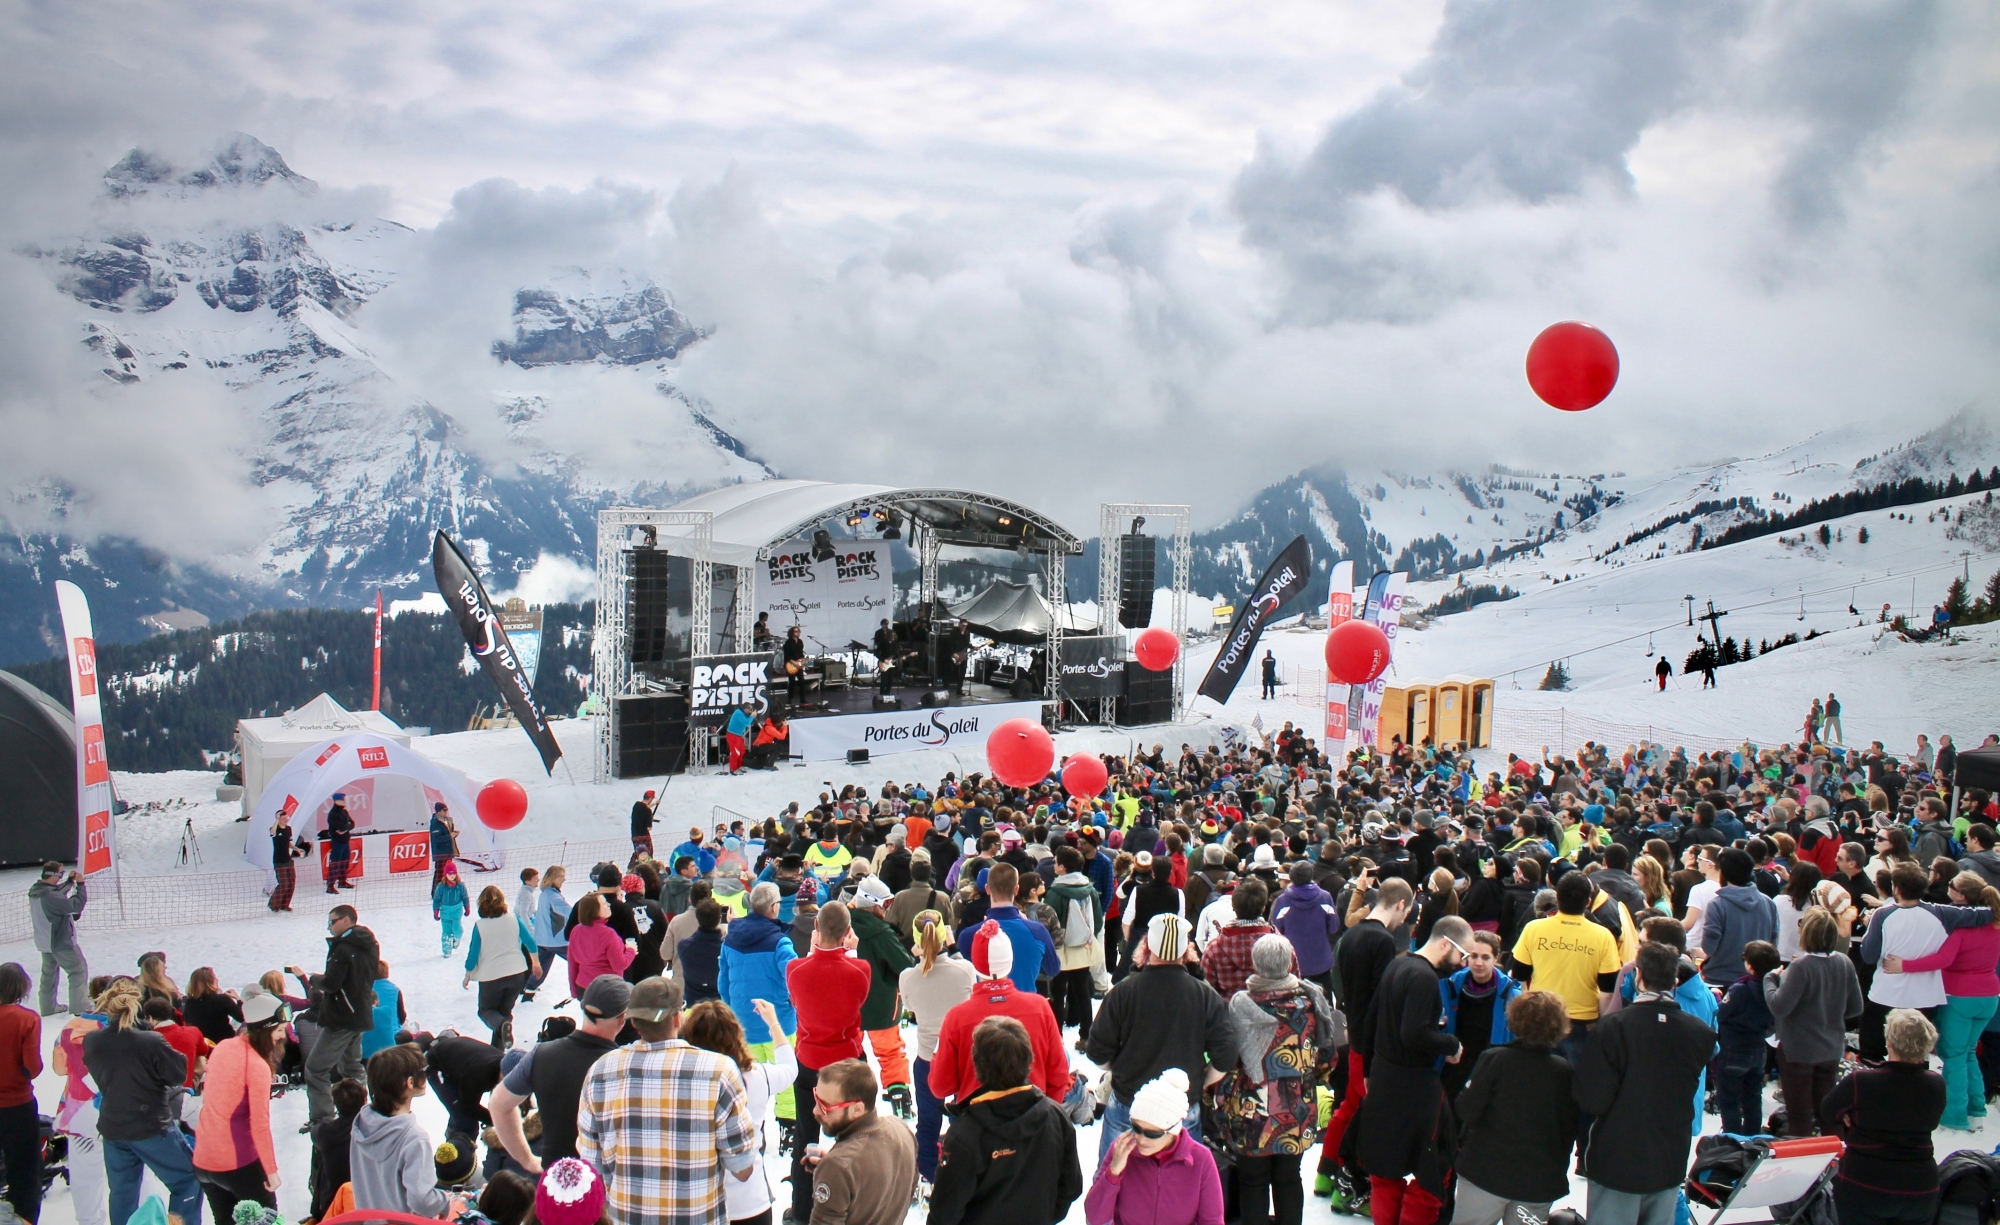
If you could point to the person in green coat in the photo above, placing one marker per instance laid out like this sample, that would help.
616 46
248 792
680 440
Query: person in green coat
877 943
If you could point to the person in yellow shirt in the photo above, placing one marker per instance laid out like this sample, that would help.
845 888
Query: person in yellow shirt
1568 954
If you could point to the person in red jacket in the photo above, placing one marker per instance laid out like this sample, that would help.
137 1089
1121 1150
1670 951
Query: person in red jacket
827 988
996 995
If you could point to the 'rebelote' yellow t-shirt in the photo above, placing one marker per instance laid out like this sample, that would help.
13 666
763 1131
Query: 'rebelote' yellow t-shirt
1568 953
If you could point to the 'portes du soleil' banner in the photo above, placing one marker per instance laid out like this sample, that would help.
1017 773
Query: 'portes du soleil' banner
1285 579
480 624
93 768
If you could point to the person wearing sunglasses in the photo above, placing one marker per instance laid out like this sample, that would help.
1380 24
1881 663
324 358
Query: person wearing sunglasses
1156 1173
870 1177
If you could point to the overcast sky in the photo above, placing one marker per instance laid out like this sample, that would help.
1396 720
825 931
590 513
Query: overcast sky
1136 248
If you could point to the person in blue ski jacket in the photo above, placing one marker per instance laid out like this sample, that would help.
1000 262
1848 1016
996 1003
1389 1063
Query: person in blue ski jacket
754 956
704 859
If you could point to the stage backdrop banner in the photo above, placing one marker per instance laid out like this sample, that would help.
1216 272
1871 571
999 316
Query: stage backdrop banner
1285 579
962 729
721 683
836 601
1093 667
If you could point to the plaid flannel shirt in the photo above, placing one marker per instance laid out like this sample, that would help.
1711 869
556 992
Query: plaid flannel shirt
665 1123
1226 962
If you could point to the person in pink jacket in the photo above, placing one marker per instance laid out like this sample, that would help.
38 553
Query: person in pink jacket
1157 1174
594 948
1972 994
233 1154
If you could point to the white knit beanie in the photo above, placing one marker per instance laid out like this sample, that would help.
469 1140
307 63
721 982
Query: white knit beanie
1163 1103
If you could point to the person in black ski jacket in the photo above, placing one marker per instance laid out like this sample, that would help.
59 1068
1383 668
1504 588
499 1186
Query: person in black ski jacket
343 1008
1517 1119
1636 1081
1010 1156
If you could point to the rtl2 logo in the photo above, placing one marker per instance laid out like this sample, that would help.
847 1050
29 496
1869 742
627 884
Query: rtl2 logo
96 769
409 853
96 842
85 652
326 754
373 757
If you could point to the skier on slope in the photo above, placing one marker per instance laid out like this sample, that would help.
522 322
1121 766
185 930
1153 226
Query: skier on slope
1663 670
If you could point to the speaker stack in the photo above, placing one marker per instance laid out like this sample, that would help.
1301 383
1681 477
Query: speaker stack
648 601
1135 580
1148 698
649 735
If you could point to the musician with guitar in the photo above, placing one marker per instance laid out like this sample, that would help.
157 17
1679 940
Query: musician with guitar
885 653
795 665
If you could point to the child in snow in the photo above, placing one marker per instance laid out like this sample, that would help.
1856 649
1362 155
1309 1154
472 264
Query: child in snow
1743 1022
449 904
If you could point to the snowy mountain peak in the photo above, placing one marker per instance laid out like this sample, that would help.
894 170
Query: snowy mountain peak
241 161
617 318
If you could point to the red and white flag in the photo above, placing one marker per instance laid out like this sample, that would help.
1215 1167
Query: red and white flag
93 768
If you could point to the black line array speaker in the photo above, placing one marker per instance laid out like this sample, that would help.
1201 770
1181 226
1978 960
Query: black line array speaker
1135 580
649 735
1149 697
648 603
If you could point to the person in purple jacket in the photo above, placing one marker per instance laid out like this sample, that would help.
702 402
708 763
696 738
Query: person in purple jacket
1305 915
1156 1174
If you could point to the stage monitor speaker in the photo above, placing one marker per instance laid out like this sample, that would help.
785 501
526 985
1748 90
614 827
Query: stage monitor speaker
649 735
657 589
1135 580
937 698
857 757
1148 698
888 701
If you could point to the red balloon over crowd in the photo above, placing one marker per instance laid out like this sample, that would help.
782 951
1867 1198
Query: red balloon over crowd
1084 775
502 804
1156 649
1572 366
1020 752
1356 652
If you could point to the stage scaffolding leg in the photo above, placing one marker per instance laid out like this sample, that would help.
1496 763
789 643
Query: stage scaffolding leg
1056 582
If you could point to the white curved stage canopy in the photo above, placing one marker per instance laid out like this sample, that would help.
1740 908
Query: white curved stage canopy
751 519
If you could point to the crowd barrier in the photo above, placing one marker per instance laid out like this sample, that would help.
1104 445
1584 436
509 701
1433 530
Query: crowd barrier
1525 731
183 898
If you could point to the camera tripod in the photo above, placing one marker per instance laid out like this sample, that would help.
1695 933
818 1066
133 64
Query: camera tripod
190 846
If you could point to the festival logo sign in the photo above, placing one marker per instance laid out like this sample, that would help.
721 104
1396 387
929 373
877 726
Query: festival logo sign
721 683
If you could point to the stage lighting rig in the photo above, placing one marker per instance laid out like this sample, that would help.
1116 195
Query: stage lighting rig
822 545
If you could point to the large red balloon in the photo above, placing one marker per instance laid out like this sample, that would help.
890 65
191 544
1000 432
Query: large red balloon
1572 366
502 804
1084 775
1156 649
1356 652
1020 752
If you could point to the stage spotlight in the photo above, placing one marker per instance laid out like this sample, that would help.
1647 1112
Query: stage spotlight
822 545
892 525
854 520
1138 524
1006 521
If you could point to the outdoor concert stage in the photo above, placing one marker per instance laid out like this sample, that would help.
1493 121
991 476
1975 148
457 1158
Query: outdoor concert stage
695 604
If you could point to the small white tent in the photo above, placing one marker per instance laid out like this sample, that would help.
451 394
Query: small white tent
267 744
390 788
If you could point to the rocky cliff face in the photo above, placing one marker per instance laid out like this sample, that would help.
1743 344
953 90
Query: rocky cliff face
267 317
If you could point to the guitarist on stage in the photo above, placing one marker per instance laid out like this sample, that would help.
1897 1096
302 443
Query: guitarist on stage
795 665
885 651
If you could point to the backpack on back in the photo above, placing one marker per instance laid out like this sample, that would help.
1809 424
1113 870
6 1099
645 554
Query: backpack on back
1077 929
1968 1188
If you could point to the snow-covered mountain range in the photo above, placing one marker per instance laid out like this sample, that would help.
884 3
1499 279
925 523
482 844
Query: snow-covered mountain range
205 281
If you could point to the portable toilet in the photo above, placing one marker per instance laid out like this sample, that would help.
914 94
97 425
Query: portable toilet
1448 711
1475 707
1408 711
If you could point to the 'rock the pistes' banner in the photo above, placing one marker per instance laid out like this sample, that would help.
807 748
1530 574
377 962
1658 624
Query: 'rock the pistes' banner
480 624
1285 579
93 767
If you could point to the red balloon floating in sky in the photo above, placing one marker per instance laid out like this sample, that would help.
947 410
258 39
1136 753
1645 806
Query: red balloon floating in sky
1084 775
1156 649
1572 366
502 804
1356 652
1020 752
